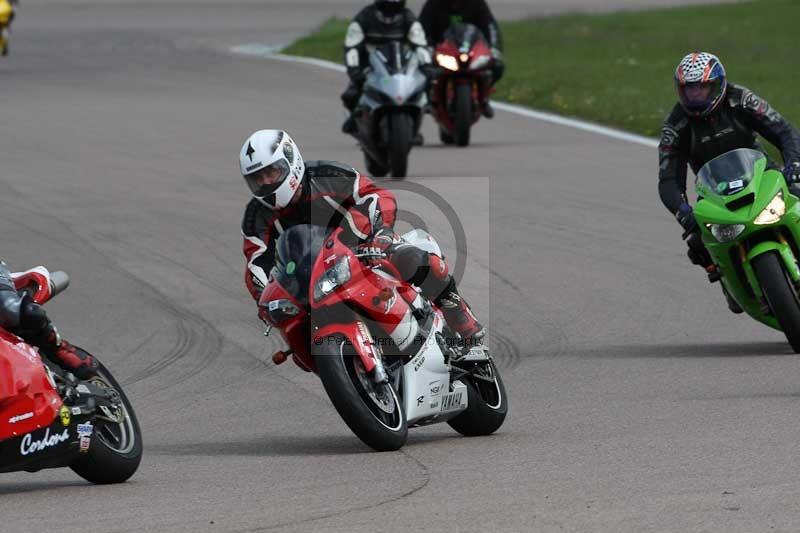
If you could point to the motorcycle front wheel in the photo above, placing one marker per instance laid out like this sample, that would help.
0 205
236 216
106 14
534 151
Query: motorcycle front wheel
372 411
780 294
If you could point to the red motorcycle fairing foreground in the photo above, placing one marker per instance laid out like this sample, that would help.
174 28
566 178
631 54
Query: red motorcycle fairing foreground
50 419
384 354
461 91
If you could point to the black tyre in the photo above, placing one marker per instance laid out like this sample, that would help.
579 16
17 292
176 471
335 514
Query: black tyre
401 132
374 168
781 295
487 404
372 411
462 121
116 448
445 137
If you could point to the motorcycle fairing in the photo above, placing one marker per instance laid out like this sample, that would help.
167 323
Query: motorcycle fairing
28 399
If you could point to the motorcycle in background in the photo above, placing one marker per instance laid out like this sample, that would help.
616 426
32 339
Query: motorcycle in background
462 88
750 225
51 419
385 356
389 112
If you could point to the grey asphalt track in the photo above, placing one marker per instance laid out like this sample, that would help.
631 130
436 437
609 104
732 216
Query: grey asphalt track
638 402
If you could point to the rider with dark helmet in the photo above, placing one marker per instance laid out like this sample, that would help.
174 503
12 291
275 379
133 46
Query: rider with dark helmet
713 117
20 315
438 15
288 191
379 23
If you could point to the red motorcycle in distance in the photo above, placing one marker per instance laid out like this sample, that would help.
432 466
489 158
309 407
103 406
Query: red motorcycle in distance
50 419
383 352
461 90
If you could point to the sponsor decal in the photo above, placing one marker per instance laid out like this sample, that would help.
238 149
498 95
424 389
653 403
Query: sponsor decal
29 446
436 389
65 415
85 430
451 401
736 184
85 443
76 411
254 167
419 363
420 400
20 418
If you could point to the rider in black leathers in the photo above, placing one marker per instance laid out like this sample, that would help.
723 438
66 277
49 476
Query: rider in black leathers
382 22
438 15
20 315
711 118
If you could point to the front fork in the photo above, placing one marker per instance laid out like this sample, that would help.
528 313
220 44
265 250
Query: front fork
786 254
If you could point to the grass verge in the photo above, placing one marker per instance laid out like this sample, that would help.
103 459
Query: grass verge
616 69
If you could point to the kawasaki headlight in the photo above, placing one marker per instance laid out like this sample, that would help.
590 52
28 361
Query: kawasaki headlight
726 232
337 275
447 62
773 212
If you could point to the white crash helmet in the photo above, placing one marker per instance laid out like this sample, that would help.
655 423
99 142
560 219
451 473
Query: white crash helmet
272 167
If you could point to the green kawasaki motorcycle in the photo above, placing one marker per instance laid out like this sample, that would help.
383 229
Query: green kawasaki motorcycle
750 224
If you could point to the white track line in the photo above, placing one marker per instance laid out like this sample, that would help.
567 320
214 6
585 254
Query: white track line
271 52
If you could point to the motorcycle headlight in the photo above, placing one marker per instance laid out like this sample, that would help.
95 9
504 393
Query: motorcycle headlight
479 62
447 62
726 232
775 209
281 311
337 275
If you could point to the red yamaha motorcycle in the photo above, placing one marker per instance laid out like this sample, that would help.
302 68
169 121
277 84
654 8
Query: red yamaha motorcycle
50 419
383 352
463 86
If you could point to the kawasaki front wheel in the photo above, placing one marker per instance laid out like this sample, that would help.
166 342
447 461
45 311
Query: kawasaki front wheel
781 295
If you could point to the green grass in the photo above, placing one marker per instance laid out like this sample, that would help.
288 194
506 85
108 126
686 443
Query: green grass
616 69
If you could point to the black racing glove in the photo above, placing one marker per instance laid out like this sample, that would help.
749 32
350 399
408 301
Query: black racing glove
791 172
685 216
698 254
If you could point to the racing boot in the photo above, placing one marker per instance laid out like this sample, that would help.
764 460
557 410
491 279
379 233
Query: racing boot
4 42
349 127
69 357
418 140
37 329
460 317
488 110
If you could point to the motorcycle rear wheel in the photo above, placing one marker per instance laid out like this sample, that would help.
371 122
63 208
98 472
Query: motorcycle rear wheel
487 404
781 295
116 449
372 411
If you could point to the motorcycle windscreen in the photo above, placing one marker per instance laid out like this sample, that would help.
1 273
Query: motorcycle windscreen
464 36
730 173
394 57
296 251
